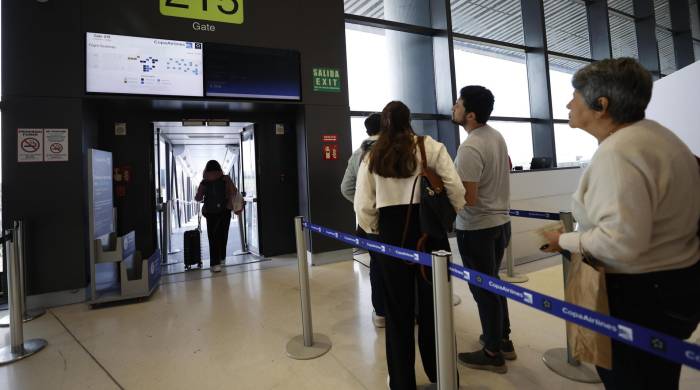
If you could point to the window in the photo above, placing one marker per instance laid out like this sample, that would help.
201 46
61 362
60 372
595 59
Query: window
567 27
623 36
367 68
370 63
573 146
625 6
503 71
667 55
498 20
560 73
393 11
663 13
518 136
695 21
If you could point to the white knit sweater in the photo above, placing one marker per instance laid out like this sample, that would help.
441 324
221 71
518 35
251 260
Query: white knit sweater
374 192
638 203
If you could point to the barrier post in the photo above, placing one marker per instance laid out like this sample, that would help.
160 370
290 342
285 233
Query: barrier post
308 345
29 314
444 325
169 226
18 348
244 243
510 276
560 360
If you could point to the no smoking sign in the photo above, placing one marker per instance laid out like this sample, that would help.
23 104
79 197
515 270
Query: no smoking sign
37 145
56 142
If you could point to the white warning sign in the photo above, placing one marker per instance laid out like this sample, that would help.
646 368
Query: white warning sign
29 145
55 145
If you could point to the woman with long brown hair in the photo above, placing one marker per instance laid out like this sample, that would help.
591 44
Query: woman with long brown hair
383 206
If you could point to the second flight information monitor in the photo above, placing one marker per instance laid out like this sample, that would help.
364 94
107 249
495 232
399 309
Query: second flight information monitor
144 66
251 72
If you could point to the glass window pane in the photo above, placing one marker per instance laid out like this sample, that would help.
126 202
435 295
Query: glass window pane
573 146
663 13
503 71
695 20
373 76
623 36
518 136
498 20
368 68
567 27
394 10
560 73
625 6
667 56
420 126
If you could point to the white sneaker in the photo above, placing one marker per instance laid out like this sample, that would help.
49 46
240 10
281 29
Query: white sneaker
379 321
216 268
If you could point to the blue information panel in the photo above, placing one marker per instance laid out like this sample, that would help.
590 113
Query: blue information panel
101 190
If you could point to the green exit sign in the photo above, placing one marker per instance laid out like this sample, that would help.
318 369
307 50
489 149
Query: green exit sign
225 11
326 80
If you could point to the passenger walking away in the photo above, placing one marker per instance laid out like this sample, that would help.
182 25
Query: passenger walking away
483 226
637 210
218 192
383 206
347 187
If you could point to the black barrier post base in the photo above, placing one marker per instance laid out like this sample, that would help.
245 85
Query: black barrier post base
558 361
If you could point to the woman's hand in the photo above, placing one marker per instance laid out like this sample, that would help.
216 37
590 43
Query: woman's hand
552 245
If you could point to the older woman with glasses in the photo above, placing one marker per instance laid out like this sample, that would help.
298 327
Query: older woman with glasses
638 207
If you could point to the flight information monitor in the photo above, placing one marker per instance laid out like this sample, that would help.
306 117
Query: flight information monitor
251 72
143 66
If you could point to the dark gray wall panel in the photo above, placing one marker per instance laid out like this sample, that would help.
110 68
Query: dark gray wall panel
50 197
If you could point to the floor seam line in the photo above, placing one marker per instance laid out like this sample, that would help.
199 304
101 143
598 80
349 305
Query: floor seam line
348 370
86 351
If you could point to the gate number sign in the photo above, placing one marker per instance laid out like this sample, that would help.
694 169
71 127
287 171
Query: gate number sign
225 11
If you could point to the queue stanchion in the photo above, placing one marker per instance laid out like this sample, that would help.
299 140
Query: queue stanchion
169 227
241 233
308 345
445 348
29 314
560 360
510 276
18 348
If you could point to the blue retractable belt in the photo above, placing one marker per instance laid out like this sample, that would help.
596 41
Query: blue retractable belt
657 343
535 214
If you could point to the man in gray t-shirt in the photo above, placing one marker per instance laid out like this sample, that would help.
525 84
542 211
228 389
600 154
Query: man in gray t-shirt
483 226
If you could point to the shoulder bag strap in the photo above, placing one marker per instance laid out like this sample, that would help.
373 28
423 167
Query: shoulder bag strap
413 191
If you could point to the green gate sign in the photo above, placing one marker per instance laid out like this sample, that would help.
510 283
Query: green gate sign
225 11
326 80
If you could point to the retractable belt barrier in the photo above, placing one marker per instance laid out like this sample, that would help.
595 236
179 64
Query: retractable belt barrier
651 341
535 215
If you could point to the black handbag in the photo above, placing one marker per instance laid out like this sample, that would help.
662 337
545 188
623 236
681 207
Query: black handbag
436 213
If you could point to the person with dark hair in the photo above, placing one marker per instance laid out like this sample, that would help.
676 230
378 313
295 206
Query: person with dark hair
385 185
483 226
217 191
637 210
347 187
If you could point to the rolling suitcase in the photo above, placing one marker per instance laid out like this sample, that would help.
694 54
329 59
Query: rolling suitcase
193 246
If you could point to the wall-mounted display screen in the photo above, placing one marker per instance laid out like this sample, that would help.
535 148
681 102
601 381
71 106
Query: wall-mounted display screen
249 72
145 66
